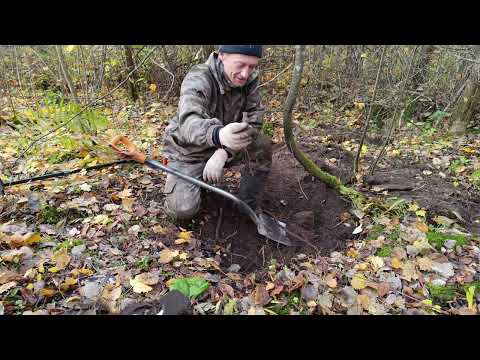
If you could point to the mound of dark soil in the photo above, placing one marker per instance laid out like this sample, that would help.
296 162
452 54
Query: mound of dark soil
310 210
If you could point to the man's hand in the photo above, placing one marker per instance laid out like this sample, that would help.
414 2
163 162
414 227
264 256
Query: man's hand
235 136
213 171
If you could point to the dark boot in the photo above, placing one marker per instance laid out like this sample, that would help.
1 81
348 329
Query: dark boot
251 187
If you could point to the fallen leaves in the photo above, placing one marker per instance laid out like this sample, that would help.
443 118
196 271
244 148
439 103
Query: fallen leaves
61 259
7 286
17 240
261 296
166 256
358 281
183 237
7 276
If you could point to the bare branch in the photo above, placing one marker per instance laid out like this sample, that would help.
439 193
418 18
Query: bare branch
280 73
170 73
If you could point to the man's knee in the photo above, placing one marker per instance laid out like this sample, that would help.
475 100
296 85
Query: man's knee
182 200
181 211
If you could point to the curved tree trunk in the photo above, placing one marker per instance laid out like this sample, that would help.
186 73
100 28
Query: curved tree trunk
306 162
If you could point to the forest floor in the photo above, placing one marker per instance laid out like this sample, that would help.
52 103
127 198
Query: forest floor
99 242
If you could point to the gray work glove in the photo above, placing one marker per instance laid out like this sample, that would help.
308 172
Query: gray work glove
235 136
213 171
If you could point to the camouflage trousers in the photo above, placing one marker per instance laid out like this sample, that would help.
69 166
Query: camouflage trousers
183 199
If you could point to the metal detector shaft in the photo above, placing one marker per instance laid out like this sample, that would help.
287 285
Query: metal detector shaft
61 174
156 165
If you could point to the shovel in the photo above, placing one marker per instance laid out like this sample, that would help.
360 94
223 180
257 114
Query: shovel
266 225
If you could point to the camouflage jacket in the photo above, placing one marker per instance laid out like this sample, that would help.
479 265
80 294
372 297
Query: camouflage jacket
208 101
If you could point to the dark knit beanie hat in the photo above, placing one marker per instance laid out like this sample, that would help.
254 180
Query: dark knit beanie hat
252 50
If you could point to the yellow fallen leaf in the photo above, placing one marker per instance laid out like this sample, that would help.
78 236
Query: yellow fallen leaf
332 283
364 301
61 259
352 253
183 256
54 269
111 292
29 286
185 235
101 219
424 263
83 271
396 264
166 256
421 226
358 282
30 273
361 266
124 194
182 241
376 262
270 286
420 213
152 87
409 272
158 229
68 283
148 278
127 204
413 207
17 241
139 287
47 292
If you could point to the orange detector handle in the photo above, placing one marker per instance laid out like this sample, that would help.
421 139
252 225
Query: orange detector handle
132 153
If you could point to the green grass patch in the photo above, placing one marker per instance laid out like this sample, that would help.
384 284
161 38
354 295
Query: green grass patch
69 244
375 232
442 294
438 239
51 215
144 263
384 251
268 129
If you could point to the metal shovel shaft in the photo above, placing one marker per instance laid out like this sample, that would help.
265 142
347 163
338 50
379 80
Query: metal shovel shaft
156 165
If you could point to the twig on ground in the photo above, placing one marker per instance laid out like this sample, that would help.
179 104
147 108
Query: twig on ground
219 225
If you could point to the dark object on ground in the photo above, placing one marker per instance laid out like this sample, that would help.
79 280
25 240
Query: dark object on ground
173 303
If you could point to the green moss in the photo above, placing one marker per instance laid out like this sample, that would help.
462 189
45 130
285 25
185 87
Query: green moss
51 215
144 263
375 232
442 294
394 235
268 129
385 251
69 244
439 239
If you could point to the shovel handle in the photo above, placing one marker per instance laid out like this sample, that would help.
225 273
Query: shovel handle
132 153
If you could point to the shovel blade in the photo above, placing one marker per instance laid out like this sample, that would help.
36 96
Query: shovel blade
272 229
